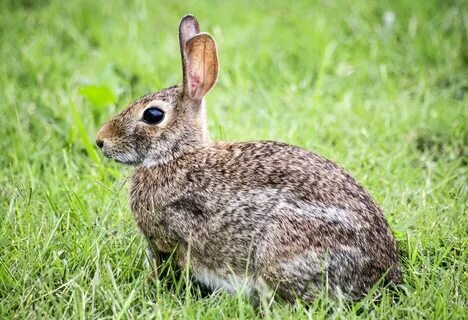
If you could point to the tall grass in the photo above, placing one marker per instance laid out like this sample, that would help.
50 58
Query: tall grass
379 87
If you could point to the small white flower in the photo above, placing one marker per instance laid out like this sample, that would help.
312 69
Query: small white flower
389 19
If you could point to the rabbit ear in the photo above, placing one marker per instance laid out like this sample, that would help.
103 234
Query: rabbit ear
200 65
188 28
199 58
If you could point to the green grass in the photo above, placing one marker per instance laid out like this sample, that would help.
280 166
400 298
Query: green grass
386 101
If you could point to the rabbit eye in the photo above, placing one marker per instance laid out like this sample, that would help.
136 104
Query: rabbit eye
153 115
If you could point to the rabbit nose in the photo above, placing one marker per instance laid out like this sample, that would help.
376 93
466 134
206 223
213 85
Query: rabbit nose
103 134
100 143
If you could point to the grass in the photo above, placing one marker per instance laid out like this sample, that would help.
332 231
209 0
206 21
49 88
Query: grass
379 87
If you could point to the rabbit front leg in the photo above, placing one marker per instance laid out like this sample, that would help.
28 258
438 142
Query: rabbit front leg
171 239
155 260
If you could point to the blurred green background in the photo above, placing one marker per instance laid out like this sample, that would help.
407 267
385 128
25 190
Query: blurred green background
377 86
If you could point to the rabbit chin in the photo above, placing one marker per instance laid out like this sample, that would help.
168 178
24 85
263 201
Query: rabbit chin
125 158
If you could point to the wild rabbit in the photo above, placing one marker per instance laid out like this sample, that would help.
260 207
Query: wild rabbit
263 215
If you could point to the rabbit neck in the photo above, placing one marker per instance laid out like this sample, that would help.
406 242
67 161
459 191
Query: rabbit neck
166 157
203 123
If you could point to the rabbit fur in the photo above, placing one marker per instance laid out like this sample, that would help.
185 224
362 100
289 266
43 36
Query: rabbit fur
258 216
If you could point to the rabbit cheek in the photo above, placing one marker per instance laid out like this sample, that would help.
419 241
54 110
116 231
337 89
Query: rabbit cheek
143 138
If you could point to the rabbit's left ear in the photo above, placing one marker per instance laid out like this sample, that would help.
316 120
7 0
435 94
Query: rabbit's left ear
199 59
188 28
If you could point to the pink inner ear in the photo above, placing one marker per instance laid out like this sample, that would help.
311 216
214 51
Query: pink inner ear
194 84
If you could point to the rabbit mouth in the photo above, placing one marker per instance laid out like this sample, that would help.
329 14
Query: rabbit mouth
124 158
128 163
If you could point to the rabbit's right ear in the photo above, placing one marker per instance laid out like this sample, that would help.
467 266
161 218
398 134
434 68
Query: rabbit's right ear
199 59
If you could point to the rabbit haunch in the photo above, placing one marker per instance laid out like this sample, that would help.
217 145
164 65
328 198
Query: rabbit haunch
264 216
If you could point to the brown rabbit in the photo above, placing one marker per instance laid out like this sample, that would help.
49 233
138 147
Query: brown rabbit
263 216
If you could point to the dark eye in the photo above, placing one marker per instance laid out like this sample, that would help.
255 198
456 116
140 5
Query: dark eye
153 115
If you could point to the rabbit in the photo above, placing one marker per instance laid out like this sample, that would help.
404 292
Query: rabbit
261 216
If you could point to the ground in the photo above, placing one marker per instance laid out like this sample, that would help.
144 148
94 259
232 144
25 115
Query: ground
379 87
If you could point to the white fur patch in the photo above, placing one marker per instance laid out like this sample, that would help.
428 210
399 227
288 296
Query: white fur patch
287 204
231 283
331 214
150 162
125 157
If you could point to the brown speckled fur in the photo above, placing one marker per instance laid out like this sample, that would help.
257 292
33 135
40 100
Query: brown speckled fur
271 214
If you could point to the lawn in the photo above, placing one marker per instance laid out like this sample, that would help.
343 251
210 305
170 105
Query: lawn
379 87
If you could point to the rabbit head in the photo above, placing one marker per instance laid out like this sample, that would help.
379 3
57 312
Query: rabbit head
161 126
